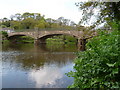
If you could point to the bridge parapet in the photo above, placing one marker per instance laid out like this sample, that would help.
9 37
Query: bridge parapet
40 34
50 29
30 34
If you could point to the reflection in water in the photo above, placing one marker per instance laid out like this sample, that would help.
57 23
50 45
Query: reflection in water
41 66
46 76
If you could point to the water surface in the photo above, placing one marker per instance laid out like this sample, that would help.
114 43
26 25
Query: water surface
43 66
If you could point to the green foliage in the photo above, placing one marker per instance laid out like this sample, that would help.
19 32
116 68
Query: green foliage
55 25
41 24
63 39
101 11
34 20
16 25
4 34
70 39
3 26
28 23
25 39
6 23
115 25
54 41
99 65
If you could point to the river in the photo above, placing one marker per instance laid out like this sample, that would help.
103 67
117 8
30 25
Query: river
43 66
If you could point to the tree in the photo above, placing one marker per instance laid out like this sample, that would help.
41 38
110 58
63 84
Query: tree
72 23
99 65
5 19
107 12
60 20
49 20
32 20
55 25
37 16
18 17
6 22
66 22
41 23
26 15
12 17
16 25
28 23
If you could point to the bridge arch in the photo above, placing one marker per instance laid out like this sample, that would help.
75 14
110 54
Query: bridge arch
51 35
17 38
15 34
42 38
46 34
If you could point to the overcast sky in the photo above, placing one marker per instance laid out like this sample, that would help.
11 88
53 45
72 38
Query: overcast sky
50 8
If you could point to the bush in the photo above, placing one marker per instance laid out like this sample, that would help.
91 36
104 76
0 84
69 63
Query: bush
3 26
99 65
4 34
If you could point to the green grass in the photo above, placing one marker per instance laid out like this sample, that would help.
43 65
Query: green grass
61 40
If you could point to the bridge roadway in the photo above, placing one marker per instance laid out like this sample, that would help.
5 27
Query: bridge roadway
41 36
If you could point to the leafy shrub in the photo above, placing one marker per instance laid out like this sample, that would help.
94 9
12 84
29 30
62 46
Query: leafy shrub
3 26
99 65
4 34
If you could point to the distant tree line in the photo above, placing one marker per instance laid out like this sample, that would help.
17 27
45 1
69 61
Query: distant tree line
34 20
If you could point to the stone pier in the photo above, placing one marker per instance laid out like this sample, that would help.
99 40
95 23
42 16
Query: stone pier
39 41
81 44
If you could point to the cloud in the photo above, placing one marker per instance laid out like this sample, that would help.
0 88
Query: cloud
45 77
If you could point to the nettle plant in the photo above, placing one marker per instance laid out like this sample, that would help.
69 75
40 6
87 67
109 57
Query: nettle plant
99 65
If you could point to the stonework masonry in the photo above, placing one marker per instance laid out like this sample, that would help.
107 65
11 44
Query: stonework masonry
41 36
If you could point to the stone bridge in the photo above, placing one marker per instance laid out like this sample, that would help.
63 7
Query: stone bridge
41 36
